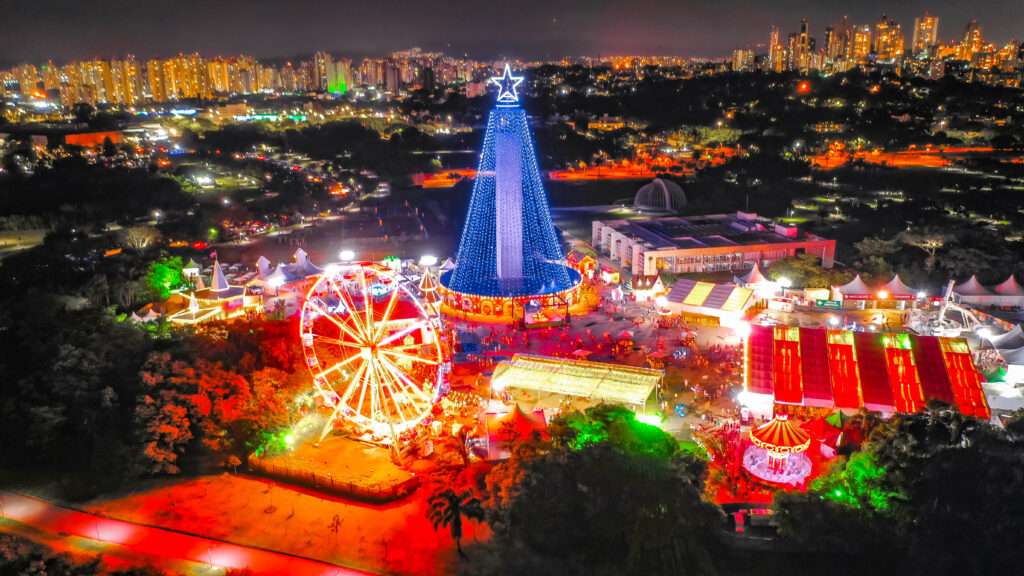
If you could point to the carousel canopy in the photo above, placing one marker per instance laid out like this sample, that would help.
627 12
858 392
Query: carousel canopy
780 435
971 288
1009 287
593 380
855 287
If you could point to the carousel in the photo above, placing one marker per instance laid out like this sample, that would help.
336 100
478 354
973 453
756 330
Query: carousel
777 453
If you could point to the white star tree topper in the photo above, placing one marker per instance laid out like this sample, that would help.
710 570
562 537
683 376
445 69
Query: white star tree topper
507 84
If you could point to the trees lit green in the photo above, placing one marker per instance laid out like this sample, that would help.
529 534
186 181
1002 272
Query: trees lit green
930 493
805 271
165 275
607 495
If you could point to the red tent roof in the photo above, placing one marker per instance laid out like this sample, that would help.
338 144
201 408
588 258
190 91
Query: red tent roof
780 435
503 429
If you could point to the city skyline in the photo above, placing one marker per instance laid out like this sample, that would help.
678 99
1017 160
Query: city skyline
65 31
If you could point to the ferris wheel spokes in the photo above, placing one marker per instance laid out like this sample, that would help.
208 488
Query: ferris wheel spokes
374 350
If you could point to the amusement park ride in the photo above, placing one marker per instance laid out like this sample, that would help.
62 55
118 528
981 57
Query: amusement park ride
373 348
951 320
373 339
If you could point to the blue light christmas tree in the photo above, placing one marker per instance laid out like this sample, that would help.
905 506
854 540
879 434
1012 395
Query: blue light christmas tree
509 247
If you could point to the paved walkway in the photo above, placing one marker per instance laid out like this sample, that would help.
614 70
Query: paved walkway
43 520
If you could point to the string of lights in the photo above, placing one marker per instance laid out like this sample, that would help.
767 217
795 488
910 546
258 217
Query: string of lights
509 246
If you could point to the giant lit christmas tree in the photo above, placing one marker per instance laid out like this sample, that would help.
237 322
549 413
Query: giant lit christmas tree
509 249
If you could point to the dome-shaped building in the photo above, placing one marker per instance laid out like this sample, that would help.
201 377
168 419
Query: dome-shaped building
660 195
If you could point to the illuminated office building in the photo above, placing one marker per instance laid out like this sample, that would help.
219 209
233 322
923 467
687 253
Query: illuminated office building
776 51
742 60
926 35
860 46
889 42
972 41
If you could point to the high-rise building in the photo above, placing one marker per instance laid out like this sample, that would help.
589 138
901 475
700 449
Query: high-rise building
339 76
837 40
27 76
776 51
392 77
322 65
742 60
157 87
371 72
220 78
889 41
860 46
799 49
125 82
926 35
972 41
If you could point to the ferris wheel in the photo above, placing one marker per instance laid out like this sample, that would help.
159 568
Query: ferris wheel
373 348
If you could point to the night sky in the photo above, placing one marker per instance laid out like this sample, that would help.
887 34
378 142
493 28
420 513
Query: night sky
34 30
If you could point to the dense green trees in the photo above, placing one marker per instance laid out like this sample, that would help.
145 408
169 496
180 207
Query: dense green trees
607 495
805 271
931 493
74 192
89 400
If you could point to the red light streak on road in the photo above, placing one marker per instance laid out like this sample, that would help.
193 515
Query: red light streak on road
159 543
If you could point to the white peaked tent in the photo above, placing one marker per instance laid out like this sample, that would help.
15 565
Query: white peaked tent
279 277
898 290
752 278
219 282
971 288
447 265
972 292
190 270
263 267
855 289
302 264
1009 287
758 282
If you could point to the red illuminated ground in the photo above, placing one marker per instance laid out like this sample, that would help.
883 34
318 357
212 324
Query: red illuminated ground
393 538
125 544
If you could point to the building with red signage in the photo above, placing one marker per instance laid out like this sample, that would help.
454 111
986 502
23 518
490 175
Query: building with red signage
883 372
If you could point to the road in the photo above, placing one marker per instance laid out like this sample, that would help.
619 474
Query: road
67 529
